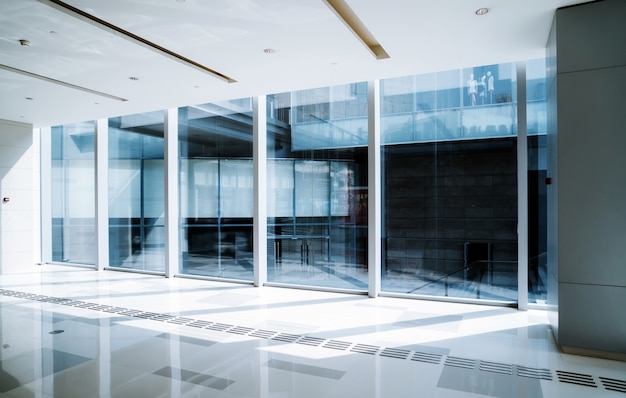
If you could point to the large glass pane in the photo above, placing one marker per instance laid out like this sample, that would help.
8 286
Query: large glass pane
317 187
450 184
537 173
216 188
136 192
73 194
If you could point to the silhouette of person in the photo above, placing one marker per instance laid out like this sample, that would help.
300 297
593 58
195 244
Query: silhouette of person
482 86
490 86
472 89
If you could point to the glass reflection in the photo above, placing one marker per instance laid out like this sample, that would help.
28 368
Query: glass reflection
73 193
450 184
537 173
317 187
216 188
136 192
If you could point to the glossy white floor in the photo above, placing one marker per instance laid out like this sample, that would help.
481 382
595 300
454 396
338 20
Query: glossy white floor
70 332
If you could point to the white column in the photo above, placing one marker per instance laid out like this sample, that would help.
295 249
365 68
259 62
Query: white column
171 193
46 194
522 190
259 120
102 193
374 205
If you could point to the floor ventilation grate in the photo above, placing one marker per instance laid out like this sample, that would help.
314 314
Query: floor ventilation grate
145 315
395 353
127 312
486 366
263 334
534 373
200 324
496 367
86 305
576 378
162 317
180 320
426 357
240 330
365 349
337 345
460 362
614 384
286 337
312 341
99 307
72 303
114 310
220 327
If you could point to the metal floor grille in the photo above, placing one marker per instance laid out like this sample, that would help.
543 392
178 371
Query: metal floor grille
512 370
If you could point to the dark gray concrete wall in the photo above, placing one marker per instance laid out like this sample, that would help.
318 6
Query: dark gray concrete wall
439 196
589 154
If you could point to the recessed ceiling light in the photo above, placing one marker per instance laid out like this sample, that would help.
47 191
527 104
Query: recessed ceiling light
133 78
29 98
482 11
24 42
269 51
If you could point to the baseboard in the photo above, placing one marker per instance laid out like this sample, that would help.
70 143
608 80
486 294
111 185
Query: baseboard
616 356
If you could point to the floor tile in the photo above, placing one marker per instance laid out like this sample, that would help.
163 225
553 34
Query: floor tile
142 335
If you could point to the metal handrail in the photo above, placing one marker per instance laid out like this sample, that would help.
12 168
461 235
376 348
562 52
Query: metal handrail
467 267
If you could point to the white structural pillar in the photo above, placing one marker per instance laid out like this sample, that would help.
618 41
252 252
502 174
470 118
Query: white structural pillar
46 194
102 193
374 204
522 190
171 192
259 117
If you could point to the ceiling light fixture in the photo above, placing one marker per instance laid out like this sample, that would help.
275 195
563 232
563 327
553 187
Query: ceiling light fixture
109 27
345 14
59 82
134 78
24 42
482 11
269 51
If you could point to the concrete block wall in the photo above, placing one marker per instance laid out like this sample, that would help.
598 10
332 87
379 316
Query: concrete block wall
439 196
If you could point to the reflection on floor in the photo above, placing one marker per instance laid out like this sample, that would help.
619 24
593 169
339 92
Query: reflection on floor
70 332
500 286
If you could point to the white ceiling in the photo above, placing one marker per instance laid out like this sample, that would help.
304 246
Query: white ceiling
312 48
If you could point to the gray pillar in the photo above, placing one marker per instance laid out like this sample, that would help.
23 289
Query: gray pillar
587 164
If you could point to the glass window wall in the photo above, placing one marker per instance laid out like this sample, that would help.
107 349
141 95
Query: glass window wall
317 187
450 184
537 173
73 194
137 192
449 187
216 188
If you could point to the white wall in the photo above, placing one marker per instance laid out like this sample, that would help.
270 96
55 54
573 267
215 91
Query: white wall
19 222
